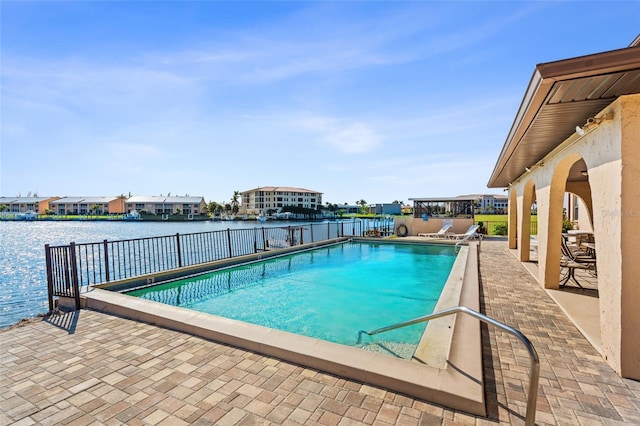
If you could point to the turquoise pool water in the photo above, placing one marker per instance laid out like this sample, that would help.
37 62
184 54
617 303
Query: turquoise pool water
329 293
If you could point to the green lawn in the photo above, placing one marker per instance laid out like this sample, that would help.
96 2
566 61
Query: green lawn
491 220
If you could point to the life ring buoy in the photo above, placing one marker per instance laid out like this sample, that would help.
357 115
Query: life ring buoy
401 230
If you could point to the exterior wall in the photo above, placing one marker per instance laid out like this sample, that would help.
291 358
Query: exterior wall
583 220
62 207
612 155
116 206
418 225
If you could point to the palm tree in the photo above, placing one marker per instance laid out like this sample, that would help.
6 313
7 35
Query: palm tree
235 204
213 207
95 208
363 205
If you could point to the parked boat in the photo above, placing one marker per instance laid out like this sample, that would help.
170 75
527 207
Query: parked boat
28 215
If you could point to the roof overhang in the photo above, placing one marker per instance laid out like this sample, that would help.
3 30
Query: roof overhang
443 199
562 95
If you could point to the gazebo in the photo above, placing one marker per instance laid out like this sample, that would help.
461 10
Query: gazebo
429 214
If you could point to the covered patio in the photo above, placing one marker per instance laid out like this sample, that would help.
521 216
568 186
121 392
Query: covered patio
577 132
430 214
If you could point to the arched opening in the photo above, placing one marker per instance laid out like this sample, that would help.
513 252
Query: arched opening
578 203
570 176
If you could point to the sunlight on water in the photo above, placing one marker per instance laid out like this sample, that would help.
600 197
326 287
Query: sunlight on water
23 285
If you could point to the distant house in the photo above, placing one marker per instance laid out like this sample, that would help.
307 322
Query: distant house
25 204
166 205
350 208
461 205
489 203
267 199
87 205
456 207
385 208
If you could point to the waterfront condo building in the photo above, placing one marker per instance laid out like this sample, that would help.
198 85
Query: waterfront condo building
86 205
25 204
271 199
168 205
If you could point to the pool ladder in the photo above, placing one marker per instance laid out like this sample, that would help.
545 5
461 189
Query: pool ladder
468 238
534 369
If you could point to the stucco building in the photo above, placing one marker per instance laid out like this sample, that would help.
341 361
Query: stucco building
86 205
166 205
266 199
24 204
577 131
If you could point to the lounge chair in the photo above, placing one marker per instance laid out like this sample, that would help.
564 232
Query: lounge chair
573 261
575 248
277 244
472 232
442 233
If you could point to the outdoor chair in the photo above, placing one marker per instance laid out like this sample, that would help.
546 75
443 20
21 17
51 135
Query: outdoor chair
575 248
442 233
572 261
472 232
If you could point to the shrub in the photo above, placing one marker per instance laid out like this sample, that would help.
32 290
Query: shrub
566 225
500 229
481 228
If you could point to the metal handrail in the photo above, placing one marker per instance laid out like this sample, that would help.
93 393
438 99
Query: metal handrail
468 237
534 370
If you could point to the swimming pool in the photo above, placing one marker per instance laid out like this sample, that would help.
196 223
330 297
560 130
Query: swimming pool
446 368
329 293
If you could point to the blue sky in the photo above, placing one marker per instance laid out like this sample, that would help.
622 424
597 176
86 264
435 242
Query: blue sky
378 101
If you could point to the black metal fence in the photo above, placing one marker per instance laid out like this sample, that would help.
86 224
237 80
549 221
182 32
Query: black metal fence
501 227
70 267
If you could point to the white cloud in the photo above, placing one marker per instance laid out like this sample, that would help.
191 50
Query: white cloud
354 138
347 137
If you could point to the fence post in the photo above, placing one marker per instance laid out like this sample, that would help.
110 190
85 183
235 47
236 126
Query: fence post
106 260
264 240
255 240
74 275
47 255
179 250
229 242
311 231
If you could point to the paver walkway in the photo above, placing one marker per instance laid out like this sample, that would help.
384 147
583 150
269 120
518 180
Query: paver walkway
90 368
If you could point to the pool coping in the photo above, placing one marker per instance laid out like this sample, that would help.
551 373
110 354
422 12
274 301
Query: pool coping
454 379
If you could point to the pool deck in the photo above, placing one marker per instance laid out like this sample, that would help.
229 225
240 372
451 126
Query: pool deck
87 367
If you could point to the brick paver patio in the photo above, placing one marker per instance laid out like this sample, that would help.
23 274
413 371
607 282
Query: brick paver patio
90 368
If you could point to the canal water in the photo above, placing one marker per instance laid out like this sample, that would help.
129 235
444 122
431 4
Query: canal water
23 285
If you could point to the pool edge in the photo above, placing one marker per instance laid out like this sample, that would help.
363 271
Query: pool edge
459 385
